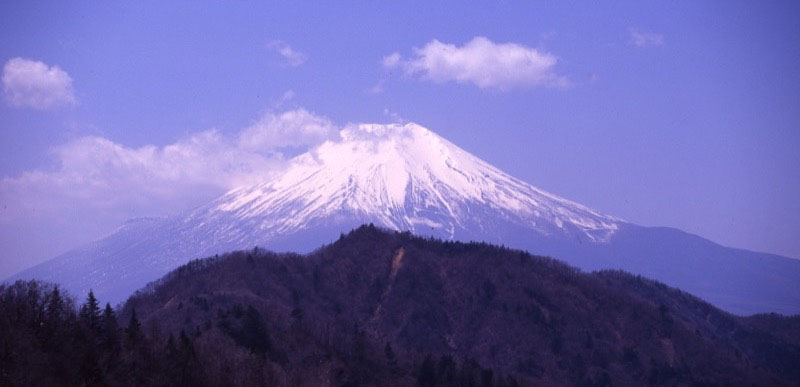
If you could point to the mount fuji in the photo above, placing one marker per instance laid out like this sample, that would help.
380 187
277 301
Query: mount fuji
407 178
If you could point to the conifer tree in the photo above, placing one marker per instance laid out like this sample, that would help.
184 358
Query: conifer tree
254 332
110 330
133 334
55 306
190 373
446 369
54 319
359 345
391 358
427 372
90 313
170 349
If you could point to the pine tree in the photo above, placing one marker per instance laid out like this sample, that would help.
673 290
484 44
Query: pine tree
171 361
140 362
55 306
190 373
170 349
359 345
110 340
391 359
89 333
54 319
469 373
446 369
427 373
90 313
133 335
254 332
487 379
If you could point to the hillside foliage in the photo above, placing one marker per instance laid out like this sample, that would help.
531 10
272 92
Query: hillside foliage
386 308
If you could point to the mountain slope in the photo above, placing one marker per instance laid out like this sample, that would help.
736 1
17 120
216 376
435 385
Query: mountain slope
529 317
405 177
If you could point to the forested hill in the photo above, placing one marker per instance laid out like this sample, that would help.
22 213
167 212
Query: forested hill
386 308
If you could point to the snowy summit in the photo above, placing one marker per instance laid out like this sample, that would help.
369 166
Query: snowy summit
403 177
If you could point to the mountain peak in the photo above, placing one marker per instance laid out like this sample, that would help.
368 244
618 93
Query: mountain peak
411 143
404 177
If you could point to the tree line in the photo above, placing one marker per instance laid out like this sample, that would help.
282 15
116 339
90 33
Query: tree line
46 339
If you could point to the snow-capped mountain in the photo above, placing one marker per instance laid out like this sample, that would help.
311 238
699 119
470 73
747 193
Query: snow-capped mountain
407 178
403 177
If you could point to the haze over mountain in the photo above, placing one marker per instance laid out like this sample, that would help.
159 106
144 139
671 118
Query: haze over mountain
405 177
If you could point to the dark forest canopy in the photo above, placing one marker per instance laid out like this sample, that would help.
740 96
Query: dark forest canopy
385 308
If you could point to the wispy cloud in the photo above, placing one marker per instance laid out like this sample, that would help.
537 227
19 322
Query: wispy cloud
377 88
394 116
643 39
34 84
285 100
290 56
481 62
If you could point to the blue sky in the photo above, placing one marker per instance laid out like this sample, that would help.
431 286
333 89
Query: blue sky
669 114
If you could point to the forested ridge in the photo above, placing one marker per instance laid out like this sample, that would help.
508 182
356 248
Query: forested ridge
386 308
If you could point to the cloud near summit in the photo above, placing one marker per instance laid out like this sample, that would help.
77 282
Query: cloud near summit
481 62
293 128
103 177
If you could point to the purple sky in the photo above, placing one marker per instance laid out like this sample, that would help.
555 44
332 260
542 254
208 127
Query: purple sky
681 114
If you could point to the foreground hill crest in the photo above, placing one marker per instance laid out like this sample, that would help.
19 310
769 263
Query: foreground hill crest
332 314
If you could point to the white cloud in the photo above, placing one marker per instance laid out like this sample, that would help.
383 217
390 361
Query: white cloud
290 56
96 183
645 39
481 62
294 128
34 84
105 179
100 176
392 60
